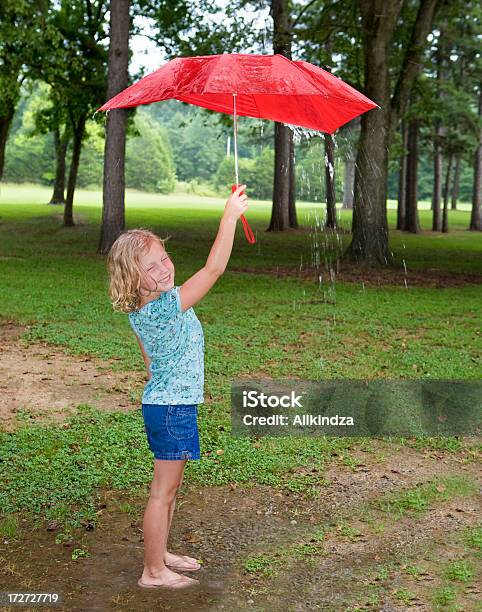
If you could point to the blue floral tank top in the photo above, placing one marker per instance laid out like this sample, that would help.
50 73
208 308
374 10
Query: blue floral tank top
174 342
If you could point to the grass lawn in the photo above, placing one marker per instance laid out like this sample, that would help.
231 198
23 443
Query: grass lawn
52 279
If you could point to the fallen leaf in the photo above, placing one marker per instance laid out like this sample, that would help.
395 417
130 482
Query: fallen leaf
191 537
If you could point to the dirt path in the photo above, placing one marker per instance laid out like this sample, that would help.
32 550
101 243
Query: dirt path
50 384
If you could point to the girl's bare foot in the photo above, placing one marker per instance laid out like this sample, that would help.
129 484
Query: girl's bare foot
181 562
165 578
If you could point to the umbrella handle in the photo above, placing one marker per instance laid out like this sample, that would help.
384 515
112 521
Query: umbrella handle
248 232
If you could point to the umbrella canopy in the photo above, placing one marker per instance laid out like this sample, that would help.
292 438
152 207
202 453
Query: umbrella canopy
264 86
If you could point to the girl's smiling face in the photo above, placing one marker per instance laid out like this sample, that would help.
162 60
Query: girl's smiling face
157 270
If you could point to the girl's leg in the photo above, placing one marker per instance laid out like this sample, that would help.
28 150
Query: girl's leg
173 504
165 484
170 558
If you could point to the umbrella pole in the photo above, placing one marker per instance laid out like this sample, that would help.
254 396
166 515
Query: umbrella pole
235 140
247 230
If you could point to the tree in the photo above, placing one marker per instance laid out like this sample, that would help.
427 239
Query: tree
412 223
453 66
476 215
113 215
52 118
402 177
282 215
149 164
75 68
23 30
28 152
196 138
379 21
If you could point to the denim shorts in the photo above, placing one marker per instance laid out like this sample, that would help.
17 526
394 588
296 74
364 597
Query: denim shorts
172 430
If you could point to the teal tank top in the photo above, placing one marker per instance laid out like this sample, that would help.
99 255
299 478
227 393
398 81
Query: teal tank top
174 342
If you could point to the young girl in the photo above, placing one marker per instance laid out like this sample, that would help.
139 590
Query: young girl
171 339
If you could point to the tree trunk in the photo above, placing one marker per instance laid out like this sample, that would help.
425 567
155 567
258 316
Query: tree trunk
445 216
402 180
369 225
348 182
60 144
411 221
5 123
476 215
437 182
113 211
440 58
282 213
292 196
330 182
78 130
280 219
456 184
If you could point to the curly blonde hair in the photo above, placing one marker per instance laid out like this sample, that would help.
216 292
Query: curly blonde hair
123 265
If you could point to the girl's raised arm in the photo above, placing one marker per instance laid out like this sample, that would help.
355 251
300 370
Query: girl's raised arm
201 282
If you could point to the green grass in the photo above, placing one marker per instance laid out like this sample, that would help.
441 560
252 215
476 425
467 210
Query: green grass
444 596
57 471
460 570
418 499
474 538
53 281
261 564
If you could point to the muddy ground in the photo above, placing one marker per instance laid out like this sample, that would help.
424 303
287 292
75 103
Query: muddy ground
361 563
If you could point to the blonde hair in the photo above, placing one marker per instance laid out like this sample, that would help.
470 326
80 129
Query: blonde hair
124 267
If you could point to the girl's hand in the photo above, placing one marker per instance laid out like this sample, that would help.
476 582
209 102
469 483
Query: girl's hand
236 204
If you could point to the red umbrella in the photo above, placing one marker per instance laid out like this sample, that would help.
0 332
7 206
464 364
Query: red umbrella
265 86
